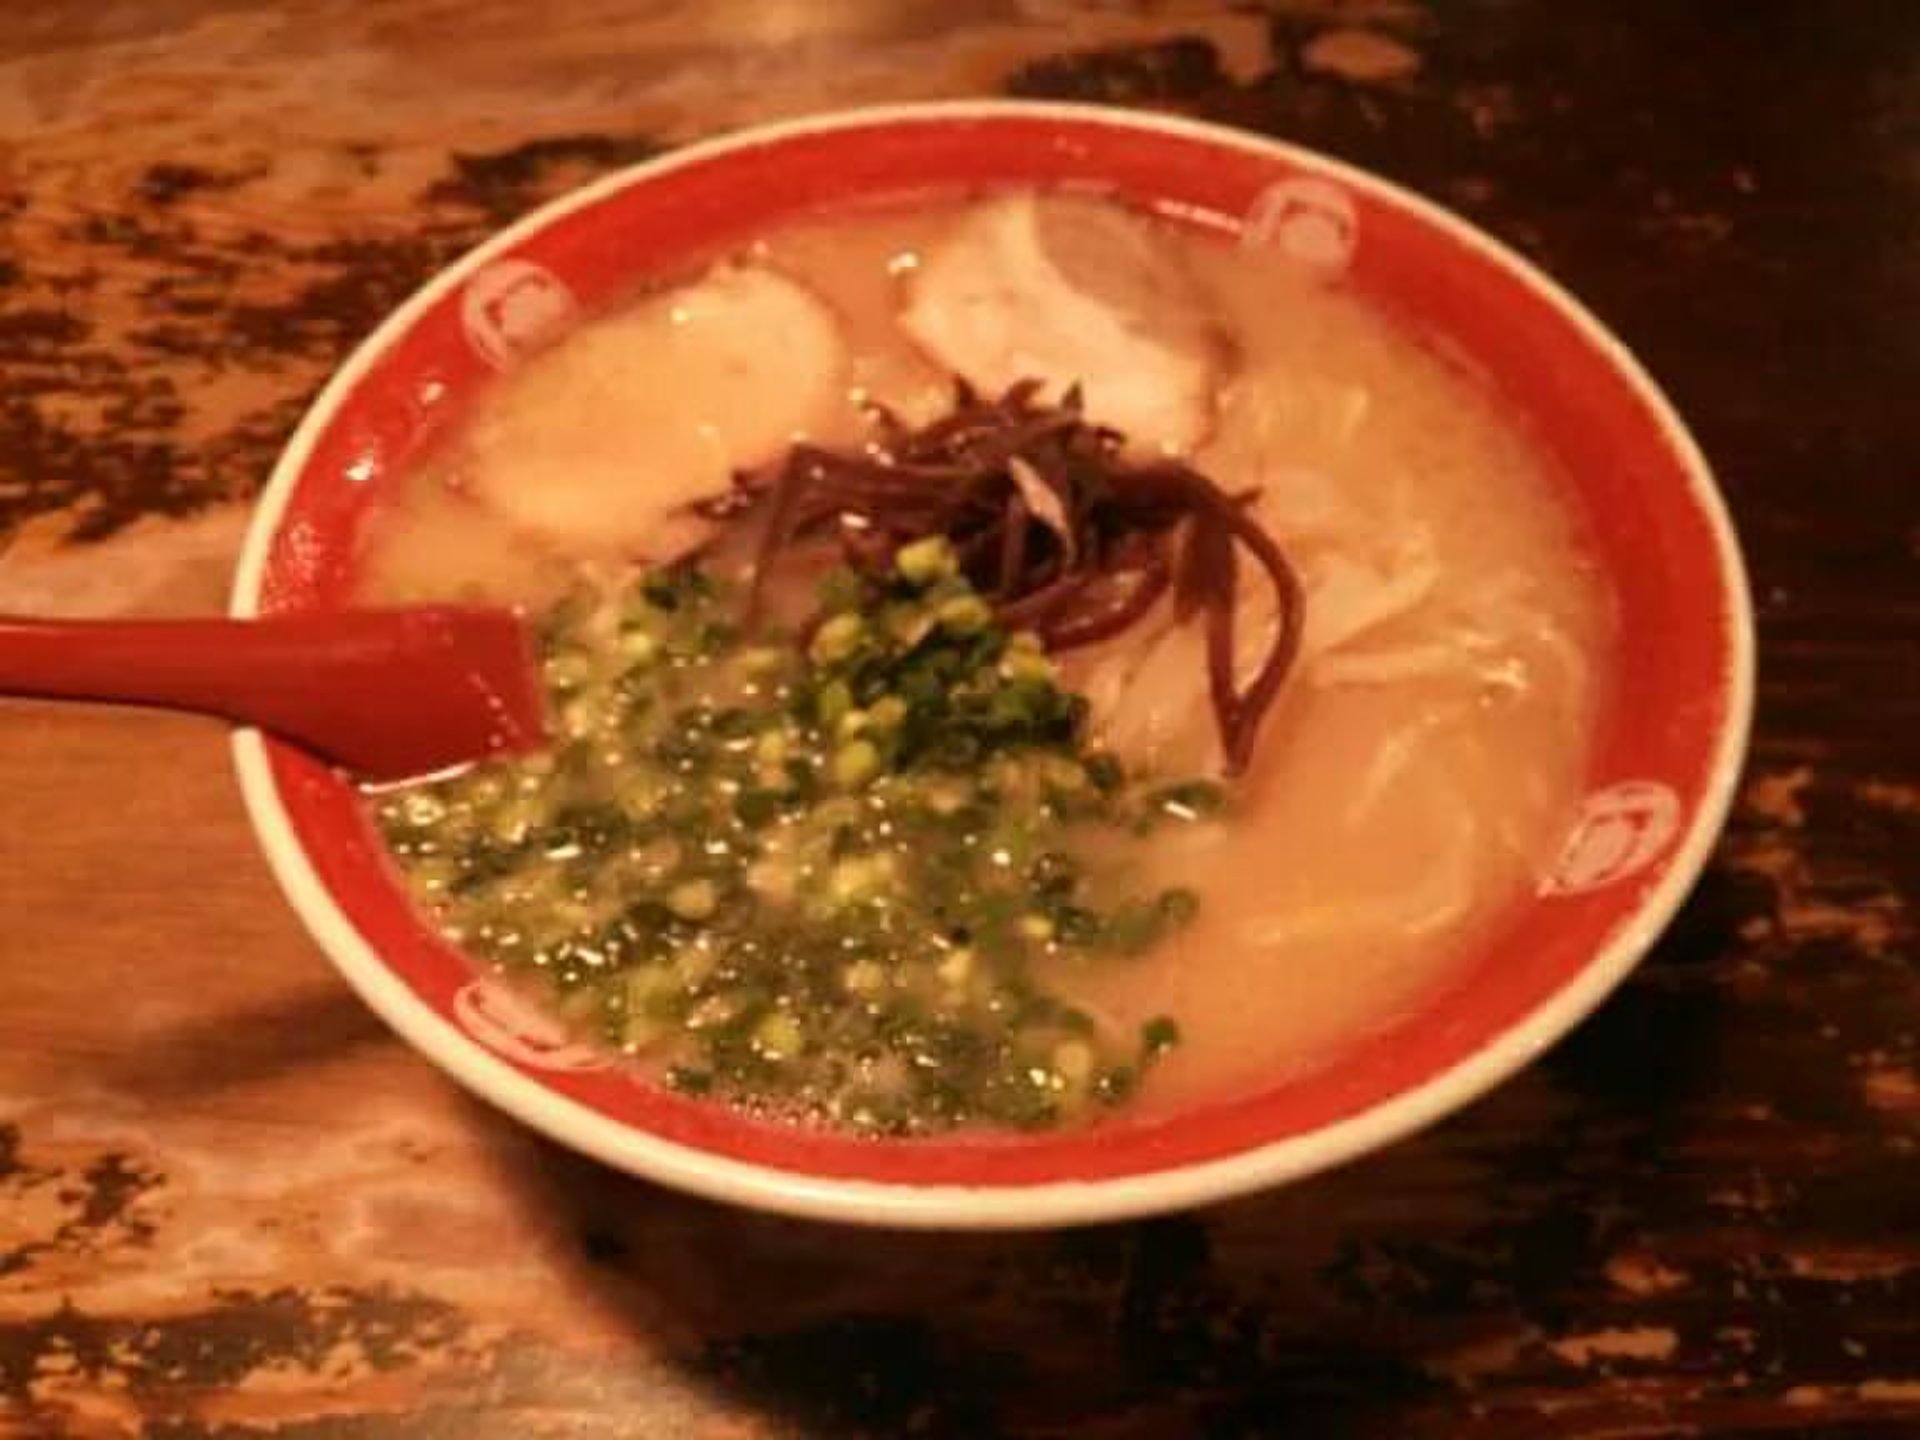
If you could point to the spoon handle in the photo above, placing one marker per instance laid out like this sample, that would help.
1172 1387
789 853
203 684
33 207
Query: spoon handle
384 692
220 667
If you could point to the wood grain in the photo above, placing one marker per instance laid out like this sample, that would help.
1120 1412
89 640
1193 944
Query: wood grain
232 1206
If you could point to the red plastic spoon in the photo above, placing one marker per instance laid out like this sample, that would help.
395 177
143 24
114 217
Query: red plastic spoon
386 694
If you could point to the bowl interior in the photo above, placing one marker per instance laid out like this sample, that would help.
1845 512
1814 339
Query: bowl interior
1663 765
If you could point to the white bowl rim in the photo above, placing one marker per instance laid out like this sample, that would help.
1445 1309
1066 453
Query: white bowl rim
1048 1203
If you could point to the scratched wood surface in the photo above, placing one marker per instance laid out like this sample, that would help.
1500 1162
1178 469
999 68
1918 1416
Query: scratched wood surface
231 1206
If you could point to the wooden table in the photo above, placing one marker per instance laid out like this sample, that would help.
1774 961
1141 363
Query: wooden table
231 1205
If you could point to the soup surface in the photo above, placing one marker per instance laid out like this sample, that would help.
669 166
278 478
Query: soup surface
1183 921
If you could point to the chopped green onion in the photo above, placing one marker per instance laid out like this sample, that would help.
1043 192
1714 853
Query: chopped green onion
899 806
693 899
855 763
927 560
837 638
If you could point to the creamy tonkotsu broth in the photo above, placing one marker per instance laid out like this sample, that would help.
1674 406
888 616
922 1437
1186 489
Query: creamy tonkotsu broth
1404 791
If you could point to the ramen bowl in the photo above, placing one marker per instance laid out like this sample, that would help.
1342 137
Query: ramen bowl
1666 753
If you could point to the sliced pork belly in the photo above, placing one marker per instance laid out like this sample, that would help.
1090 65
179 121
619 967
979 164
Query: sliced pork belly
1071 292
602 443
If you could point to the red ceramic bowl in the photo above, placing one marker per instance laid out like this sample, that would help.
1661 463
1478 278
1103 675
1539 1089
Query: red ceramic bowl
1665 766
